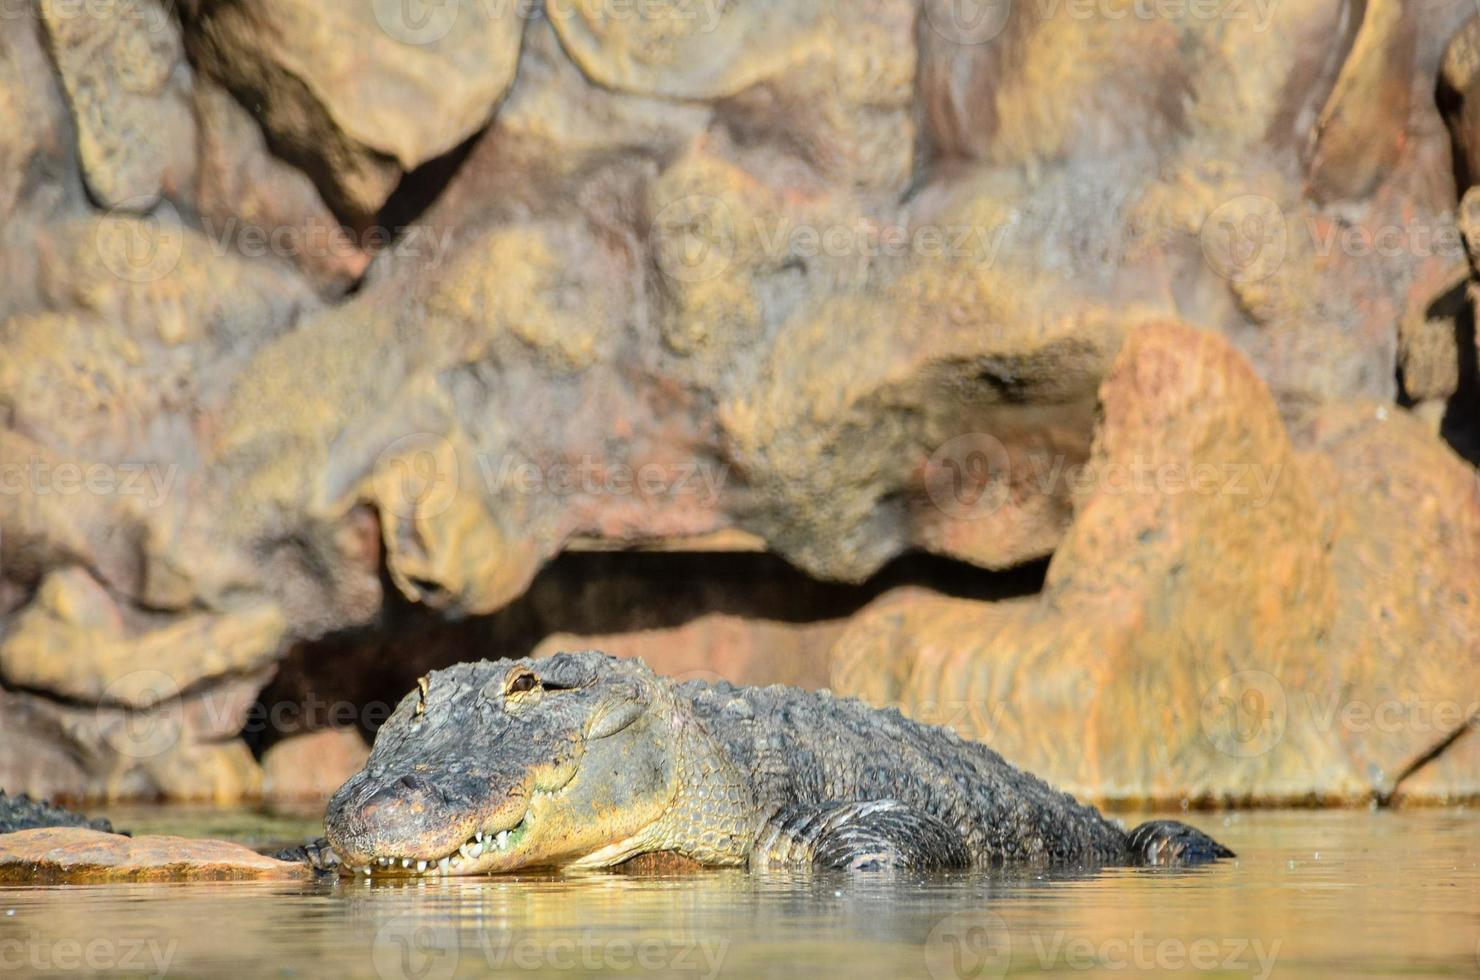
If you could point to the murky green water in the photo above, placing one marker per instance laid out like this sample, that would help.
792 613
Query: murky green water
1339 893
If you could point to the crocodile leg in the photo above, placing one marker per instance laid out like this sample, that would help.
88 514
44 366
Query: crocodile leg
316 854
874 835
1170 842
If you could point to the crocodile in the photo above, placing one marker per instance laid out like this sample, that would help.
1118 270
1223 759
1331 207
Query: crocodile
582 760
23 813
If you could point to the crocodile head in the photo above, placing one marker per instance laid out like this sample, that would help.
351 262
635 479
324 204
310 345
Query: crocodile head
496 766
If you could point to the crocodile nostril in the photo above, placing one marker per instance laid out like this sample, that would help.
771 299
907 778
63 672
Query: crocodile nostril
417 784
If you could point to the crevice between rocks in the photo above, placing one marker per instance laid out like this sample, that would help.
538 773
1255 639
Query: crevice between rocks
356 677
1434 753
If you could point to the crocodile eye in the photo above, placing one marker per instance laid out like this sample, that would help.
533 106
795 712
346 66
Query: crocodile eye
522 681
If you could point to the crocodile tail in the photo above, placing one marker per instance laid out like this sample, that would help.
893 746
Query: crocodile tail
1170 842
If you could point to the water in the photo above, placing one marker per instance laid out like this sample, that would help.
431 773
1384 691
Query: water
1342 893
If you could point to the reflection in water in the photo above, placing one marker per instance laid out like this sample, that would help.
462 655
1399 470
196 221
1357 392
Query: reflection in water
1347 893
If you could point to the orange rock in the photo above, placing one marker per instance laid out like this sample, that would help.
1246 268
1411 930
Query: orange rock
312 766
1226 613
73 855
721 647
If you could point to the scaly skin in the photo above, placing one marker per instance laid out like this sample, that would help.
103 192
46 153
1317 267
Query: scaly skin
23 813
587 761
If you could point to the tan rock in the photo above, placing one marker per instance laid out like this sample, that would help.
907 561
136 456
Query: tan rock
121 65
74 642
1404 650
312 766
1226 615
1351 150
361 92
250 200
720 647
74 856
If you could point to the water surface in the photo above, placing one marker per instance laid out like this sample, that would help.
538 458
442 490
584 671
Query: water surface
1341 893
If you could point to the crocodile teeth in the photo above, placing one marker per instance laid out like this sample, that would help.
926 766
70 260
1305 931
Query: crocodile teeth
444 864
421 865
478 837
502 841
366 869
405 862
471 851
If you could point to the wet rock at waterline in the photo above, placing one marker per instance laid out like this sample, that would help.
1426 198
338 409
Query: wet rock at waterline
75 856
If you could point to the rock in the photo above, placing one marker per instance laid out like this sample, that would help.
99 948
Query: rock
720 647
1351 151
33 118
184 748
841 284
1227 613
251 200
123 70
1460 98
312 766
76 856
360 93
1404 649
